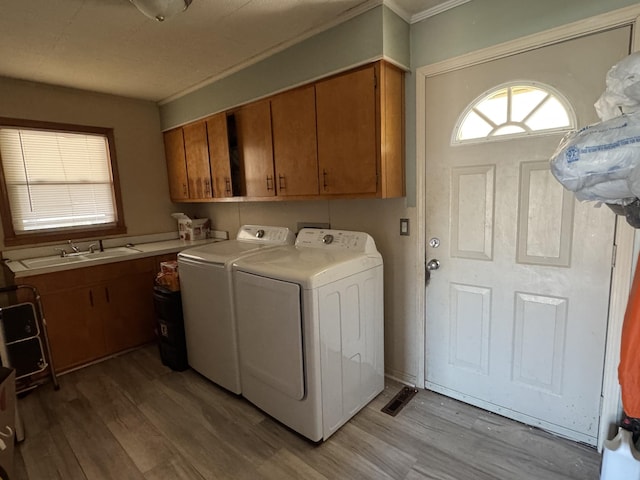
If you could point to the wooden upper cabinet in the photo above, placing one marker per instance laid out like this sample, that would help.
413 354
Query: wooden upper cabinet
255 150
176 165
219 157
346 116
360 122
342 137
293 120
197 155
391 121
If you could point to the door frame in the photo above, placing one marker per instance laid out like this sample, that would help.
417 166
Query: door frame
624 235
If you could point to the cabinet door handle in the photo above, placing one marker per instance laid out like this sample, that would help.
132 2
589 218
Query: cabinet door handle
106 294
207 187
184 189
269 182
227 185
91 298
324 179
282 184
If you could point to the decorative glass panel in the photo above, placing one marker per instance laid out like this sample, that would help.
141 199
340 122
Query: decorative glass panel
515 109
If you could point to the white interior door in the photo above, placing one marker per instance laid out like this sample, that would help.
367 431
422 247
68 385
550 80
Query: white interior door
517 312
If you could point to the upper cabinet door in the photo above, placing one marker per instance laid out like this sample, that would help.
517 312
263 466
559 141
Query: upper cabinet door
219 155
176 165
255 150
197 154
293 116
391 93
346 116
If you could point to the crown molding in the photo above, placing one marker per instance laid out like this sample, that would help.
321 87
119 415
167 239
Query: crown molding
431 12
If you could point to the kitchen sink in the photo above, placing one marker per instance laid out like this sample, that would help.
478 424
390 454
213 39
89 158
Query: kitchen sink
54 261
110 252
57 260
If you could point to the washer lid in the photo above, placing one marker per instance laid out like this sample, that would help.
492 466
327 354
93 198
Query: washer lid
221 252
309 267
250 238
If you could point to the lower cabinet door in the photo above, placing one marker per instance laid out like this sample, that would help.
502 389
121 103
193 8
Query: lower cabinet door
74 326
128 318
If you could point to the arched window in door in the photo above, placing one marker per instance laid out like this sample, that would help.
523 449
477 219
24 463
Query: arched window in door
514 109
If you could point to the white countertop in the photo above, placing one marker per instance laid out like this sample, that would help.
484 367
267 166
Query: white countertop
13 259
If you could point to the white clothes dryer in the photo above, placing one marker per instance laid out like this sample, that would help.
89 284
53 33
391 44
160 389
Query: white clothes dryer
206 287
311 338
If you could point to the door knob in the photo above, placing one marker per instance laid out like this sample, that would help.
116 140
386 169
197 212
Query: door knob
432 264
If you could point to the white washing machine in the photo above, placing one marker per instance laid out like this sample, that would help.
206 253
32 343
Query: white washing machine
207 305
311 336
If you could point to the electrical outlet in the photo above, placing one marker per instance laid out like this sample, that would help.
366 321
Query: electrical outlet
321 225
404 226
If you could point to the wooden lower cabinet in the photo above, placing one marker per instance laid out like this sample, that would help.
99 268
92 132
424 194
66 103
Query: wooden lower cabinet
129 318
93 312
75 331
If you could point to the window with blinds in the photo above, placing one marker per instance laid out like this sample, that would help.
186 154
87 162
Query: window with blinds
57 180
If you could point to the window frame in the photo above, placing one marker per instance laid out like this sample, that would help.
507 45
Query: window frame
71 233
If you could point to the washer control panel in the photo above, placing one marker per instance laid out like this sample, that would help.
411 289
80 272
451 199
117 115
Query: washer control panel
265 234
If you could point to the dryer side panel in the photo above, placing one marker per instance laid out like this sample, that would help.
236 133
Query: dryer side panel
351 349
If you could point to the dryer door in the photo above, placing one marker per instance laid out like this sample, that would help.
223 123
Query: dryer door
208 322
270 333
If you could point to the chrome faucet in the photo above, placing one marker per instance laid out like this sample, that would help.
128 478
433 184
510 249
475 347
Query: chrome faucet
73 247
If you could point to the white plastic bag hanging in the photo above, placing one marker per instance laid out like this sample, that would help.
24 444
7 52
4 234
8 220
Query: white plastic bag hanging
601 162
622 94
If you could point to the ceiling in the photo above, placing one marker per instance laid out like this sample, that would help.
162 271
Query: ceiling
108 46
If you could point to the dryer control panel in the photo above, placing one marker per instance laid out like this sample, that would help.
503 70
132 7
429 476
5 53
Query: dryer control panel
336 239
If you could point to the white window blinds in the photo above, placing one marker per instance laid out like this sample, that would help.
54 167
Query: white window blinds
57 179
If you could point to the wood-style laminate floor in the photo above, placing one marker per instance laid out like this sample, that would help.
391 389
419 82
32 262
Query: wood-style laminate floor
132 418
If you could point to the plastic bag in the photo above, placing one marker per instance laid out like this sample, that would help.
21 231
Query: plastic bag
622 94
601 162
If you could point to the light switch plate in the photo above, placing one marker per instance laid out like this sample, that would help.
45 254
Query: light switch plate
404 226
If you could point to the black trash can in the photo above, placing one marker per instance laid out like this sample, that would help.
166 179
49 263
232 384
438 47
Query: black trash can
170 326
